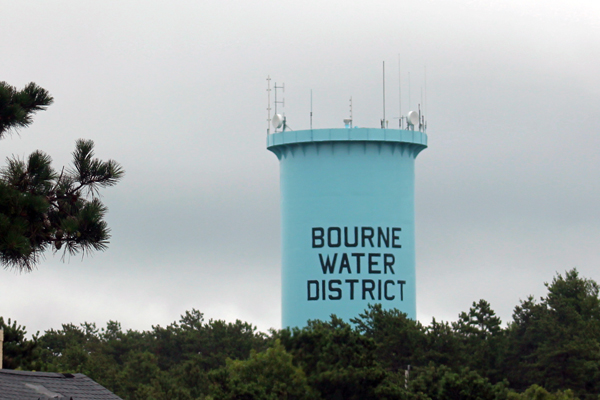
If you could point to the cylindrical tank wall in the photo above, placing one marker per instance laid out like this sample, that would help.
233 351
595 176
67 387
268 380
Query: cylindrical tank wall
347 210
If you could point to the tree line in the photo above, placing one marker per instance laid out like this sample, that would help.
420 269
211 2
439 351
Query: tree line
549 350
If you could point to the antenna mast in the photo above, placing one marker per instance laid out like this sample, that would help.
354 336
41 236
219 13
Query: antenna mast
383 120
399 94
408 90
421 116
425 100
268 104
310 108
348 121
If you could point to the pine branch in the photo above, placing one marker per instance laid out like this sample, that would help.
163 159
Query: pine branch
40 209
17 107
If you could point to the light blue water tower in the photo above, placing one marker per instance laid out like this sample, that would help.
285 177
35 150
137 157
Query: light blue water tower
347 219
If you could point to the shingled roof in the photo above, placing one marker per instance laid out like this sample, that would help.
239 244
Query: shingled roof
24 385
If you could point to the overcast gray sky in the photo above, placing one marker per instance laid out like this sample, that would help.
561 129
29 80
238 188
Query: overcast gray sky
507 194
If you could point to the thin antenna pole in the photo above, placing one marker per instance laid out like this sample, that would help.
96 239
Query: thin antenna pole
425 90
408 91
382 124
275 98
422 95
399 94
268 104
310 108
351 111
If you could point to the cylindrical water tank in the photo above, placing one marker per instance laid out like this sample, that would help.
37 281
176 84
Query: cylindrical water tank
347 221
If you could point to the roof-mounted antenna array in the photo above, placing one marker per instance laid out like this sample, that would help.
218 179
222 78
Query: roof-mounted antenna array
413 120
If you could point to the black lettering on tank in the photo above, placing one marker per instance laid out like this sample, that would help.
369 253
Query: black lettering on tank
396 238
335 289
388 262
345 263
383 237
338 237
373 263
314 284
328 264
385 290
318 237
401 283
367 233
347 242
369 289
358 256
351 282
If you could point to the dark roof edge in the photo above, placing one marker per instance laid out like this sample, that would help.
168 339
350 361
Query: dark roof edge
40 374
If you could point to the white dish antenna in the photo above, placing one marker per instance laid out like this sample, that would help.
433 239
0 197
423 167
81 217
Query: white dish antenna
412 117
277 121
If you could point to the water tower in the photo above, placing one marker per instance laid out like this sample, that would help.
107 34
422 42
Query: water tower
347 218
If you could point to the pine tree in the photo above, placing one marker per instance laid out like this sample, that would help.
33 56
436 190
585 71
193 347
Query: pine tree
555 342
41 209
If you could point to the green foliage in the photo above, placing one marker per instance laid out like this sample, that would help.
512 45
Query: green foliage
556 342
399 340
41 209
340 362
163 363
269 375
444 346
395 387
469 385
482 339
536 392
441 383
18 106
19 352
211 343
